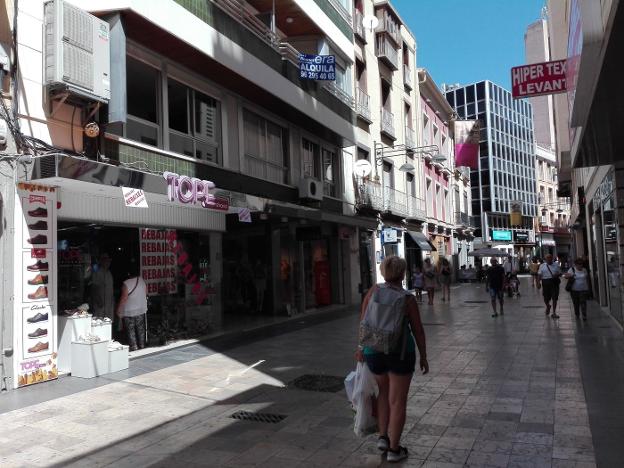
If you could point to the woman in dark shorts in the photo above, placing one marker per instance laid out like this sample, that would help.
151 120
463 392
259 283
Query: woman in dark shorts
393 374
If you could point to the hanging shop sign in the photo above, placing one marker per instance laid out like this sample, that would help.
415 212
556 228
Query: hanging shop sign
158 262
317 67
522 237
134 198
35 341
501 235
467 133
190 190
538 79
244 215
389 235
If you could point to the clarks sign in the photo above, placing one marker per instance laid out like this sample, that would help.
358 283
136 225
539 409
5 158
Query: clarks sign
190 190
538 79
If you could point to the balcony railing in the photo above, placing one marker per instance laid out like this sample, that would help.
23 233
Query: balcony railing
386 51
387 123
362 105
407 77
369 195
410 139
342 11
387 24
358 26
289 53
416 208
331 87
395 202
237 9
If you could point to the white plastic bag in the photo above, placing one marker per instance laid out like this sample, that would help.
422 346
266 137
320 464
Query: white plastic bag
349 385
364 391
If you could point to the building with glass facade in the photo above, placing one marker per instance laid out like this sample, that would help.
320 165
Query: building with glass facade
506 179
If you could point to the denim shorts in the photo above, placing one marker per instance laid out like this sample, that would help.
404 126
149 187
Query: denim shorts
495 293
380 363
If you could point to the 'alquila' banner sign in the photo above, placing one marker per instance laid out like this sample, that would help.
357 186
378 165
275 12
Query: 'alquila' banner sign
317 67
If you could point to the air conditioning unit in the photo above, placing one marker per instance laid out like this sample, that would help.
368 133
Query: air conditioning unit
310 189
77 52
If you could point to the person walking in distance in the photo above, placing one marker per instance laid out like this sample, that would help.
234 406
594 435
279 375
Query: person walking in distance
578 286
393 370
495 283
533 267
549 275
418 282
444 277
430 280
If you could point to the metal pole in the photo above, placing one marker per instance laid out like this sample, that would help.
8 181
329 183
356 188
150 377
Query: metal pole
482 214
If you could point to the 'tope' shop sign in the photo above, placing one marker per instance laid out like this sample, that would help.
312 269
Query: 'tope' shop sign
192 190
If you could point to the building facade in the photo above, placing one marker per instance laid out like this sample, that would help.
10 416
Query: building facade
552 224
505 180
247 205
589 35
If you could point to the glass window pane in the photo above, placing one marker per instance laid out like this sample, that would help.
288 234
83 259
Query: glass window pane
481 90
178 106
142 132
181 144
206 151
470 94
205 117
142 90
459 97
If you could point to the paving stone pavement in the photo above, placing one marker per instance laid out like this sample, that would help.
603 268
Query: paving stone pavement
504 392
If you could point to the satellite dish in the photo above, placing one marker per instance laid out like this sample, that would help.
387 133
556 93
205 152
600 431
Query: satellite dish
362 168
370 22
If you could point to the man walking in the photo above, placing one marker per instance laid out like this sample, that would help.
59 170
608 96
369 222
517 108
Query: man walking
549 277
495 282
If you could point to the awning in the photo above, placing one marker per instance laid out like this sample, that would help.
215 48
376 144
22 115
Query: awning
421 241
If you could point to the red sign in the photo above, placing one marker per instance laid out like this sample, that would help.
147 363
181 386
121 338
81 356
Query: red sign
538 79
158 263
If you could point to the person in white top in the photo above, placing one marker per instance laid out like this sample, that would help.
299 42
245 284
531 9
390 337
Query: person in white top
549 275
132 308
579 289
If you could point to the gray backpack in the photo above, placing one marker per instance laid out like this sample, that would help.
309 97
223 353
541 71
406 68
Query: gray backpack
384 326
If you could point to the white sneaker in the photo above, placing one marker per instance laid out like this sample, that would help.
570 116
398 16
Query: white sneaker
400 454
383 443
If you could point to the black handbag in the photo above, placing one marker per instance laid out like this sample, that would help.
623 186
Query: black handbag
568 286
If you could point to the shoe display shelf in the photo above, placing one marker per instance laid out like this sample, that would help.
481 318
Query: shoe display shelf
70 329
89 359
103 330
118 359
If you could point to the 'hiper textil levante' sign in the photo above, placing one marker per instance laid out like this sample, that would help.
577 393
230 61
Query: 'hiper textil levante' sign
317 67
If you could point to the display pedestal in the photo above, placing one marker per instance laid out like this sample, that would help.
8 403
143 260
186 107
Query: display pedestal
103 330
118 359
70 329
89 359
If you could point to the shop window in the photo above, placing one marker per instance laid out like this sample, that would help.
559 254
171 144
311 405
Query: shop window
193 122
266 148
362 154
143 121
311 159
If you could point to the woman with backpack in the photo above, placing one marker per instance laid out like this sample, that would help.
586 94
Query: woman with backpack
444 277
390 330
430 279
578 287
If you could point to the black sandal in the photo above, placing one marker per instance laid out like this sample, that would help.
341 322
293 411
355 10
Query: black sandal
398 455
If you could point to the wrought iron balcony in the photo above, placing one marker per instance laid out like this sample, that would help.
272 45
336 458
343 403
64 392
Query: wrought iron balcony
407 77
416 208
387 123
386 51
339 93
369 195
395 202
362 105
410 139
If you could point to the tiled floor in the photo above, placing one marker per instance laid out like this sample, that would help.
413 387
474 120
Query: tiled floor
501 392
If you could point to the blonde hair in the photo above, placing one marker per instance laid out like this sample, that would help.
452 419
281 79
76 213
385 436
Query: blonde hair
393 268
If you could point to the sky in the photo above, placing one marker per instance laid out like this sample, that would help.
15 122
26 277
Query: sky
463 41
